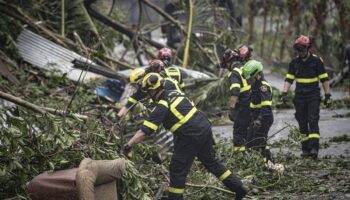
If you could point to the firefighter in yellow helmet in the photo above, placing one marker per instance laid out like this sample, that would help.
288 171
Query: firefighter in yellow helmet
178 114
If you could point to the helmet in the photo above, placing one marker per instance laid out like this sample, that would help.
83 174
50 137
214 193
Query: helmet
165 54
228 56
136 74
151 81
155 66
245 52
302 40
252 68
302 43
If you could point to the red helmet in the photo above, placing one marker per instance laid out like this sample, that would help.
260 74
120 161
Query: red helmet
165 54
302 40
155 66
228 56
245 52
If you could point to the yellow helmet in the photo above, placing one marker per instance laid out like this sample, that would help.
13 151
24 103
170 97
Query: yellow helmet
136 74
151 81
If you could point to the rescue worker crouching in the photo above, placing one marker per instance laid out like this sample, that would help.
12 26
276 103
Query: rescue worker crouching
239 99
178 114
307 70
136 77
260 105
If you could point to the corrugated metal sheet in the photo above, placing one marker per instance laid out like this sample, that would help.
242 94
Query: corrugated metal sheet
45 54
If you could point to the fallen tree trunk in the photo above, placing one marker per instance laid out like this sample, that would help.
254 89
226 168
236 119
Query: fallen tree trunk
97 69
38 109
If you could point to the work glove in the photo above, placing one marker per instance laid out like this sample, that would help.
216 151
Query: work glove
233 114
256 124
127 151
327 100
283 98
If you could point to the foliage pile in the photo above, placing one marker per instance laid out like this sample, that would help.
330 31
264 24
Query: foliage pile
33 143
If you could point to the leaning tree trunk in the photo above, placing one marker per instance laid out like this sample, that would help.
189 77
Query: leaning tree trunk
251 20
292 7
267 6
343 8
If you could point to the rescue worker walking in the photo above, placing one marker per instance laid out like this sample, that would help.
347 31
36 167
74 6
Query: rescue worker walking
172 71
307 69
260 105
239 99
194 136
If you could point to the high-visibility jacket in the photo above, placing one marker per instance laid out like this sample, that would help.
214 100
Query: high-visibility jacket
261 99
178 114
307 75
168 84
239 86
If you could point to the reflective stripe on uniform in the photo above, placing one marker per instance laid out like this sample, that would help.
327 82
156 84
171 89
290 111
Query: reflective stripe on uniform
132 100
263 103
304 139
245 85
314 135
239 148
176 190
324 75
183 120
182 85
235 85
173 71
164 103
307 80
176 83
290 76
150 125
225 175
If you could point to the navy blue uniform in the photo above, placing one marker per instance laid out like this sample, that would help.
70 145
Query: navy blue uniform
193 139
241 89
307 75
260 105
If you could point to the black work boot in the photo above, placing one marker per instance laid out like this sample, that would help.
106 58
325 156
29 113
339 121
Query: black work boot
314 153
241 193
305 149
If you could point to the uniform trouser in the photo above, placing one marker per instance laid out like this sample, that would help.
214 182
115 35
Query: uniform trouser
186 149
257 138
307 113
240 127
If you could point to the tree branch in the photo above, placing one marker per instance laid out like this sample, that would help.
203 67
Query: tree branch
115 25
38 109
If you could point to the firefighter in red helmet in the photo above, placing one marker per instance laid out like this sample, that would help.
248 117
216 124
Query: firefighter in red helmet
172 71
307 70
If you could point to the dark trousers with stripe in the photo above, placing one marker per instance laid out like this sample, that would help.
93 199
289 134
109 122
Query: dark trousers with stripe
307 113
240 127
201 146
257 138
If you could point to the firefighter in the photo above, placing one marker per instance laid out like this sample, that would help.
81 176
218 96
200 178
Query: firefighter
194 136
239 99
307 70
260 105
166 55
136 76
245 54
